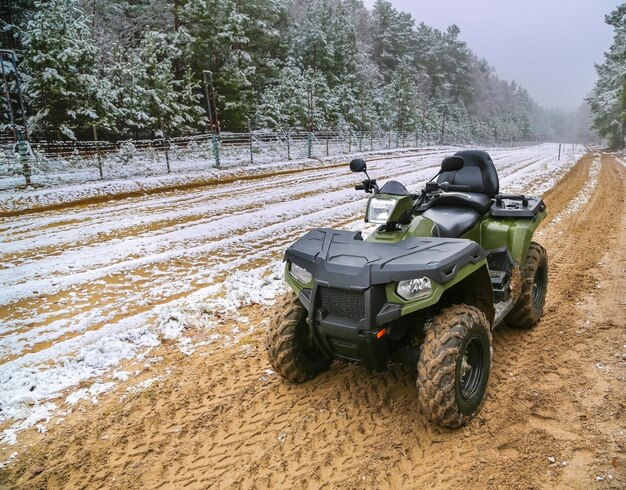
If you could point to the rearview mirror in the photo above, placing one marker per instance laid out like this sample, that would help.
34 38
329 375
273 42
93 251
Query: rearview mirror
452 164
358 165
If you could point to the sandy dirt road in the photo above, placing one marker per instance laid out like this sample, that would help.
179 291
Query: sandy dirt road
221 419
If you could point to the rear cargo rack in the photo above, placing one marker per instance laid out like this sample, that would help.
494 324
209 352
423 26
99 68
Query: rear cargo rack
516 206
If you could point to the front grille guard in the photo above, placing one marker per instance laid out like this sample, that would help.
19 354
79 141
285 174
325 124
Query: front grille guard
342 303
343 323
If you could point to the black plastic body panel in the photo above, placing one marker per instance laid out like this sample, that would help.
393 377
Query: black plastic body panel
347 305
338 259
394 188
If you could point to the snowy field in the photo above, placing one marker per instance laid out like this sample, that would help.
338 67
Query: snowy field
85 288
139 175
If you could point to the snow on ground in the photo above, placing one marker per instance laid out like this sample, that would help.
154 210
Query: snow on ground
54 189
85 288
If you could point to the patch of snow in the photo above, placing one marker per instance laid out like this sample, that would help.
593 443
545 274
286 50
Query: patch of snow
121 375
171 324
185 345
8 461
143 385
90 393
30 417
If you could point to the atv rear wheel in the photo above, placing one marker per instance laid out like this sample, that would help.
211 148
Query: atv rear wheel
289 348
529 306
454 365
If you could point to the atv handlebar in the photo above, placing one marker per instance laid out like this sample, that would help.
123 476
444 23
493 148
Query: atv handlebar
368 185
444 186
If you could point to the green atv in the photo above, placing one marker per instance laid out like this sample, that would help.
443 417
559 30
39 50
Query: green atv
442 270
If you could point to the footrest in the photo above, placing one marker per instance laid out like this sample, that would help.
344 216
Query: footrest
500 285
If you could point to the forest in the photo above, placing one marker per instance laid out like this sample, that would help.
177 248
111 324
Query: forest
146 68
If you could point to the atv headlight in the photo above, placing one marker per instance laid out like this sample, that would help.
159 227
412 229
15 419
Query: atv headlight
301 275
379 210
414 288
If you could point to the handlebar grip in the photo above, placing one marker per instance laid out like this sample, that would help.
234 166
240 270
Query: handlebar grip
359 187
457 187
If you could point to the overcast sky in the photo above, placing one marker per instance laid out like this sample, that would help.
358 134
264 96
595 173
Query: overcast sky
547 46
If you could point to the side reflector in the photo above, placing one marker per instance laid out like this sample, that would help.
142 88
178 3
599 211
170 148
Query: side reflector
380 333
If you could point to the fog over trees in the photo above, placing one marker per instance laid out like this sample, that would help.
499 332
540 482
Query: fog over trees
135 69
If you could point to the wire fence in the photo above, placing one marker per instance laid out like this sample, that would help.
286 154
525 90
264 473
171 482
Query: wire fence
67 161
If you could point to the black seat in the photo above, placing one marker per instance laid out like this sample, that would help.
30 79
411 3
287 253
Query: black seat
451 222
478 172
471 200
456 212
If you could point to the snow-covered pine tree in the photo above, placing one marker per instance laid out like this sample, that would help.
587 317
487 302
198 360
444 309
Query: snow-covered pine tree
147 97
608 99
238 41
126 75
284 103
344 55
63 80
168 109
401 100
393 37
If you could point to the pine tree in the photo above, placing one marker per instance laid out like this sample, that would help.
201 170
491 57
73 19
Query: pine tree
148 98
393 37
238 42
63 82
126 76
401 100
284 104
608 99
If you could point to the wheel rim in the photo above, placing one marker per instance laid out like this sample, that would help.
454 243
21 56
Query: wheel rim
539 287
472 368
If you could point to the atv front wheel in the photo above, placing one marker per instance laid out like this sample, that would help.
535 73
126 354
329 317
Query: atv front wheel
529 306
289 347
454 364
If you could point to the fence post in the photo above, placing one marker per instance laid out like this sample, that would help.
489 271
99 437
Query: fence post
250 133
389 142
327 141
559 151
23 157
309 144
167 154
360 136
216 149
349 140
371 137
95 139
288 146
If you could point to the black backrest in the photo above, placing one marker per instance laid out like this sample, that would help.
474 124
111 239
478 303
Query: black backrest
478 172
